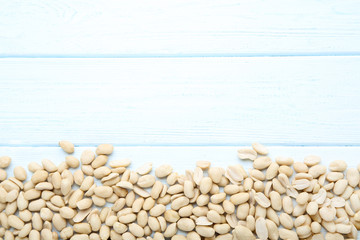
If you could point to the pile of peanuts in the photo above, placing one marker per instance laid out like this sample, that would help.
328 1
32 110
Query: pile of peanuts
103 199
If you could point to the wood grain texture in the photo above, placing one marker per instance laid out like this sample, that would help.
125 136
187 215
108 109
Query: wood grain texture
180 101
91 28
181 158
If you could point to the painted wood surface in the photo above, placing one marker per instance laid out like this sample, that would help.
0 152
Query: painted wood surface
281 101
181 158
91 28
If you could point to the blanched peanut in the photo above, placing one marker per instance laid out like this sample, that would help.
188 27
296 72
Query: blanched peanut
220 203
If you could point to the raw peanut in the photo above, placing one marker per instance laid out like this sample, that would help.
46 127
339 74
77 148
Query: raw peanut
72 161
3 174
303 231
218 198
205 231
243 211
171 216
247 153
261 229
22 203
125 185
84 204
334 176
98 201
67 146
146 181
44 186
36 205
46 234
189 189
186 224
144 169
286 170
243 233
317 170
39 176
87 156
46 214
99 161
203 221
67 213
141 192
170 230
261 163
178 237
120 163
327 213
272 229
65 186
248 184
136 230
81 215
300 167
260 149
203 200
312 208
56 180
15 222
338 166
302 198
198 175
262 200
353 177
272 171
287 205
223 228
179 202
284 161
231 189
258 186
240 198
315 227
312 160
48 165
59 222
205 185
20 173
163 171
235 174
103 191
333 236
82 228
340 186
275 200
286 221
355 202
11 196
288 234
5 161
213 216
203 164
343 228
87 170
104 149
157 210
216 173
301 184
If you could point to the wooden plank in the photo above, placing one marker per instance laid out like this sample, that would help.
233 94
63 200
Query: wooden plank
91 28
181 158
180 101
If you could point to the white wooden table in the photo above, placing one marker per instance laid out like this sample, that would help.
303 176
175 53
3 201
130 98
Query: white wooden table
177 81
